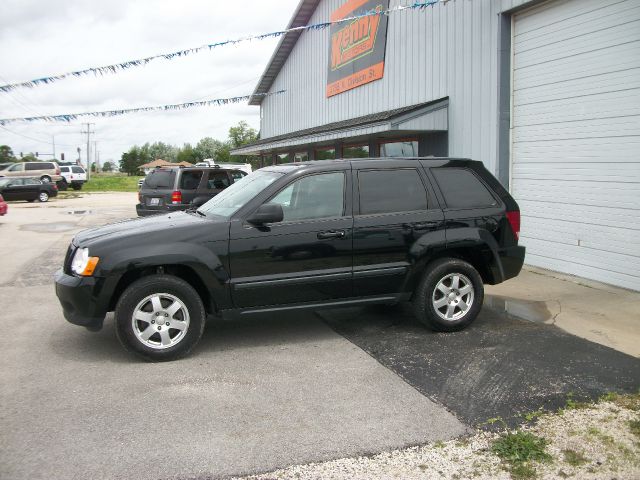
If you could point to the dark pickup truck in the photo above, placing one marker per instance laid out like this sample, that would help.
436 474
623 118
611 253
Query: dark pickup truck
300 236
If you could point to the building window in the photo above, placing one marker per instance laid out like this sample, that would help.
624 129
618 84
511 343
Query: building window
325 154
283 158
355 151
301 157
403 148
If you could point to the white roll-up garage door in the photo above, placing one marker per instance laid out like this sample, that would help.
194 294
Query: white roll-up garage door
575 167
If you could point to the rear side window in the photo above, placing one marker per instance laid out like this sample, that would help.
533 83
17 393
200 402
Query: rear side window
190 179
38 166
77 170
160 179
217 181
64 169
462 189
237 175
388 191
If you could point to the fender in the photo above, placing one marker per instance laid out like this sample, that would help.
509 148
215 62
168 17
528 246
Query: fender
467 237
201 258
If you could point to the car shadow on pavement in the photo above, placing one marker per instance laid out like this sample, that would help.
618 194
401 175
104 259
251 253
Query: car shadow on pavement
260 330
500 366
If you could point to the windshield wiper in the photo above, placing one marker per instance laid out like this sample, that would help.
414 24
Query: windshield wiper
200 213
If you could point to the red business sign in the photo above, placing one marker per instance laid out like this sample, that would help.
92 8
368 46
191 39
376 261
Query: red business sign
357 47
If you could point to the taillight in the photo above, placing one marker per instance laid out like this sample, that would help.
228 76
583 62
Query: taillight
57 171
139 197
514 221
176 197
55 187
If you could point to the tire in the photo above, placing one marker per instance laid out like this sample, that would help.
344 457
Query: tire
139 298
63 185
435 309
45 179
76 186
43 197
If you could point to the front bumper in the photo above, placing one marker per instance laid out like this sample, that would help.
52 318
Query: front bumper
145 210
79 297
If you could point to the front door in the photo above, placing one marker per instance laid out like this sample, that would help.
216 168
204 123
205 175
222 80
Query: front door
304 258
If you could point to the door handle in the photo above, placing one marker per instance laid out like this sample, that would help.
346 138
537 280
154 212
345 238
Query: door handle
422 225
330 234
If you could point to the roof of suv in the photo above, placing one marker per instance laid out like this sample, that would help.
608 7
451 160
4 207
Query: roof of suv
373 160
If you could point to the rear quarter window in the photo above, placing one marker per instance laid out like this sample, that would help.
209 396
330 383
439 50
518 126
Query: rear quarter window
462 189
160 179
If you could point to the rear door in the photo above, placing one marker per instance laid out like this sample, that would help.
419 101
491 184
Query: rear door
306 257
394 210
214 182
157 188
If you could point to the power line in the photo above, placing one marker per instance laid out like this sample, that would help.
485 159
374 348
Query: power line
118 67
36 139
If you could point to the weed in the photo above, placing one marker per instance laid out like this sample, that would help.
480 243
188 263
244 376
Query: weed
520 447
439 444
634 425
522 471
573 404
531 416
630 401
574 458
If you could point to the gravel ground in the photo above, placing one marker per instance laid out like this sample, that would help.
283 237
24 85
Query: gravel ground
584 442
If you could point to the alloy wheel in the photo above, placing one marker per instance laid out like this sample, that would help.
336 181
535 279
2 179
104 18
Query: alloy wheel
453 297
160 321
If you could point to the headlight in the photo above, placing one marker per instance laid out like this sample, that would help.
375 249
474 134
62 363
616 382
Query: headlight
82 263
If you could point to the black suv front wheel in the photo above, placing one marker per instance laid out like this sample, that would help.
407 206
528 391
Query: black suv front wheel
160 318
450 295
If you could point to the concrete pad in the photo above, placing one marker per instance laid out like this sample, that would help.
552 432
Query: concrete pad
499 366
600 313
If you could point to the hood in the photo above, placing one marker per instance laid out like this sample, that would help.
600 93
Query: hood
177 226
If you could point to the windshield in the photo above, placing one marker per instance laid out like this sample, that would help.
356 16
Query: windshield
230 200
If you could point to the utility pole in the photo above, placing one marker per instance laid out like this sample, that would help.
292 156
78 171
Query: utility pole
96 156
89 132
53 141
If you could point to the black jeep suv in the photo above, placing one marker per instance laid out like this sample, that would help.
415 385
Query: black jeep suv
173 189
300 236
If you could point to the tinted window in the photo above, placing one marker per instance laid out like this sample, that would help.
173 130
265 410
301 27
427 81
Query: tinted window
77 170
462 189
386 191
160 179
217 181
64 169
237 175
38 166
190 179
315 196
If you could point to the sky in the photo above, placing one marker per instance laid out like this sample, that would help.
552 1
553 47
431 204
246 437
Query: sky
46 37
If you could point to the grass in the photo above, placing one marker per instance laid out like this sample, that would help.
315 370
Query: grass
518 449
573 458
111 183
634 425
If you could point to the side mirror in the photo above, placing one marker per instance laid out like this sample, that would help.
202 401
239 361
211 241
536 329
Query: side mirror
267 213
198 202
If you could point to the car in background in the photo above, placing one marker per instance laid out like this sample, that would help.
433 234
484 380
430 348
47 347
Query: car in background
29 189
45 171
209 162
73 176
171 189
4 208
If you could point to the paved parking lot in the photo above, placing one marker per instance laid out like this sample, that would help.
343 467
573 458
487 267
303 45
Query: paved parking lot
256 394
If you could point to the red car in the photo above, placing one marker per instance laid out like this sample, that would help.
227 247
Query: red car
3 206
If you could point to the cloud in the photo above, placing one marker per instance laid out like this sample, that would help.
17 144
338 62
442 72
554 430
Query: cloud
42 38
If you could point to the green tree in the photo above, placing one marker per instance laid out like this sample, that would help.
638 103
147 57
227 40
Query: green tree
29 157
6 154
187 154
211 148
131 160
161 150
107 167
242 134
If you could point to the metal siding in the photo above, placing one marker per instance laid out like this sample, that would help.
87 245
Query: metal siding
446 50
576 137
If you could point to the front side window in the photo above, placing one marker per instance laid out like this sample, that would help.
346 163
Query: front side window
399 149
31 181
18 167
217 181
390 191
315 196
462 189
190 179
16 182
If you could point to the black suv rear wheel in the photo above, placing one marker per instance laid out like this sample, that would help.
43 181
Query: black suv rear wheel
450 295
160 318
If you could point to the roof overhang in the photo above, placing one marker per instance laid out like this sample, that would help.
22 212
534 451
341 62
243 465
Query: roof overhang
301 17
421 118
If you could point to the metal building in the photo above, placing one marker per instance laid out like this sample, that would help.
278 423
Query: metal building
546 94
